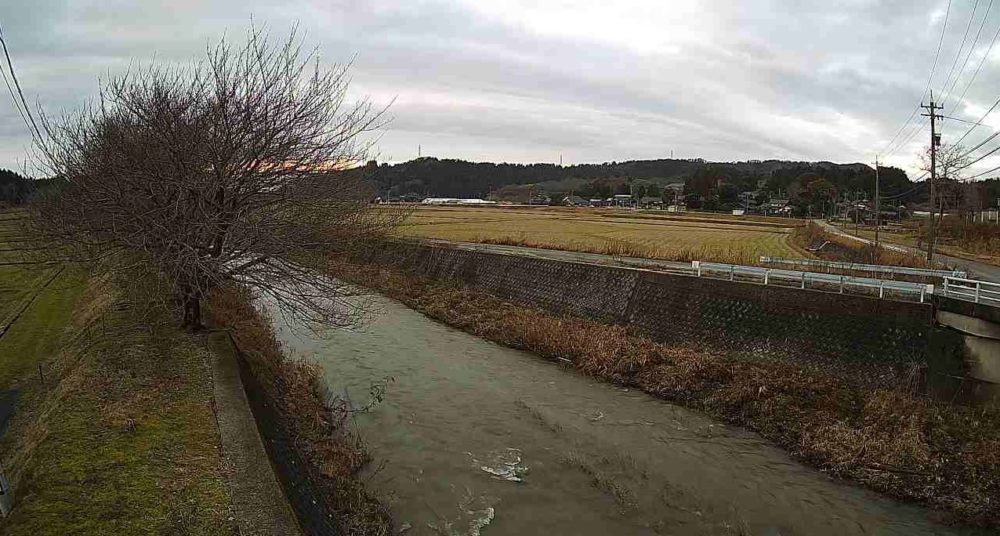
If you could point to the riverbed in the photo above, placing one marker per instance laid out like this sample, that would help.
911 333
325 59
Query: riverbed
475 438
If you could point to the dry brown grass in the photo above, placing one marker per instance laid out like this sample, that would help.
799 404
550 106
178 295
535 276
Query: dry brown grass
318 427
663 236
847 250
891 440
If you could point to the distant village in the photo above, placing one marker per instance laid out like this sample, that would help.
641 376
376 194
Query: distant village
673 199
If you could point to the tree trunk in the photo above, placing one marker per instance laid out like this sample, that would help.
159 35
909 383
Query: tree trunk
191 305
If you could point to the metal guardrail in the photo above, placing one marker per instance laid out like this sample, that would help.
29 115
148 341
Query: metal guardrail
858 267
916 291
972 290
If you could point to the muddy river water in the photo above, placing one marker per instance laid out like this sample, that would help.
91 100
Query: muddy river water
474 438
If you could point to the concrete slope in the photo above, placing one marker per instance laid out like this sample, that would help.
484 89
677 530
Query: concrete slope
259 503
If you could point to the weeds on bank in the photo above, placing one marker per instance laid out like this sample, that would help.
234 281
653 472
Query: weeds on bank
119 436
848 250
889 439
743 254
317 425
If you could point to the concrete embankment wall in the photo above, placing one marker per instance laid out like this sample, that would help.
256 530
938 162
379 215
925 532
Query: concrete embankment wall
723 315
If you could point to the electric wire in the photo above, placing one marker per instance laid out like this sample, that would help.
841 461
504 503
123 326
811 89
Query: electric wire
961 47
930 78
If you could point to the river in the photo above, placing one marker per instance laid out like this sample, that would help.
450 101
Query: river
475 438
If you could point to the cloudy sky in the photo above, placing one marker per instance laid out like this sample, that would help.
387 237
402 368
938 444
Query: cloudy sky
591 80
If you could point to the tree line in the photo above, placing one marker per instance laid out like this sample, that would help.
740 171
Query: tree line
711 185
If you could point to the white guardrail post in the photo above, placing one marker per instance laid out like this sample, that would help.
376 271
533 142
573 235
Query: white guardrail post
978 286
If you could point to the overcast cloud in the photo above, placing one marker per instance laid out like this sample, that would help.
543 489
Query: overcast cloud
592 80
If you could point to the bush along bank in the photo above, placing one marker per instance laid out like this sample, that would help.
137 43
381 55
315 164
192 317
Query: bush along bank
317 458
890 439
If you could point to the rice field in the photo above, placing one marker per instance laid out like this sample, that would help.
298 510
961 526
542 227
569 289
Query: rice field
653 234
17 281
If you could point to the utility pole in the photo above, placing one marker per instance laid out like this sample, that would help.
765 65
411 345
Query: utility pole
935 142
878 209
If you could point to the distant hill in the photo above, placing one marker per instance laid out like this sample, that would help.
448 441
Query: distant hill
708 180
14 187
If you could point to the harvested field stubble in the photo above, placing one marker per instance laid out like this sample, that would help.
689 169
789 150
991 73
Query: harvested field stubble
890 439
718 238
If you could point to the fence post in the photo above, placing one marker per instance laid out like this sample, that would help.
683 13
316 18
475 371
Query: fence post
767 274
977 291
881 289
803 280
945 286
6 494
841 283
732 272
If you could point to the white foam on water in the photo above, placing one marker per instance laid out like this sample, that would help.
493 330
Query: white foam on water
503 464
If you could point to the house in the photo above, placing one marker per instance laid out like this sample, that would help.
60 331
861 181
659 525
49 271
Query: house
575 201
651 202
621 200
776 206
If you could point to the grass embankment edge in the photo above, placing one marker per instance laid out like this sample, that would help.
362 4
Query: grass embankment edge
119 434
890 440
317 427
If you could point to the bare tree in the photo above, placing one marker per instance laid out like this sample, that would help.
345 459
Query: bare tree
952 165
235 169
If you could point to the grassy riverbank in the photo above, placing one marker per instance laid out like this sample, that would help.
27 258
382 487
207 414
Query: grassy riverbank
121 436
114 430
890 440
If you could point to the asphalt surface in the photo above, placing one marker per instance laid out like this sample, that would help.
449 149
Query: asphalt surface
572 256
975 269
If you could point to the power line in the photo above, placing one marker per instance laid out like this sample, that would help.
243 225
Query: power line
980 66
972 17
919 127
930 78
36 134
988 171
979 121
910 191
984 155
959 119
906 123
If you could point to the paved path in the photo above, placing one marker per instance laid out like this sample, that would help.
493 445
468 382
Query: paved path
258 501
571 256
975 269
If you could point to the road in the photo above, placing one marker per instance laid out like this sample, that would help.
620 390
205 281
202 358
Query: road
570 256
975 269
